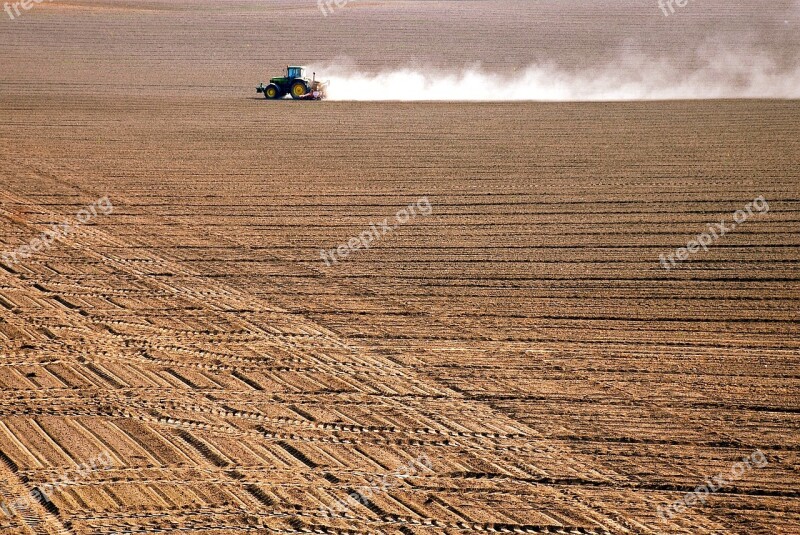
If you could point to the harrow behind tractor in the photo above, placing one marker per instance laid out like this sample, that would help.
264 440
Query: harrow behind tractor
295 84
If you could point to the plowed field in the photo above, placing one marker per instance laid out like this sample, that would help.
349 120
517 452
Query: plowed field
515 361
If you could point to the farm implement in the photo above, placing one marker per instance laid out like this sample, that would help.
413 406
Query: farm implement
295 84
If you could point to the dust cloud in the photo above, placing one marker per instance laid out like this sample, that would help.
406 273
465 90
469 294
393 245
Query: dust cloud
632 78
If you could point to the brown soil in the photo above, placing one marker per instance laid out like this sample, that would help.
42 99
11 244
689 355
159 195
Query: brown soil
523 336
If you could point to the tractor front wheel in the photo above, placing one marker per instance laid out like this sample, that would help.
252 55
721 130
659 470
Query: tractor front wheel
272 92
299 89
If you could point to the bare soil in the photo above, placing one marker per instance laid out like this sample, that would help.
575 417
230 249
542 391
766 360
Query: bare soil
522 336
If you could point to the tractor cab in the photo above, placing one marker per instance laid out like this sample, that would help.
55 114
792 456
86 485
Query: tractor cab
295 72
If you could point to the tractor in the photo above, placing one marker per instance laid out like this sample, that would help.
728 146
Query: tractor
294 83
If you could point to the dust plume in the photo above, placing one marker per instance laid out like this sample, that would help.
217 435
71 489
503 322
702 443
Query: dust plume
634 78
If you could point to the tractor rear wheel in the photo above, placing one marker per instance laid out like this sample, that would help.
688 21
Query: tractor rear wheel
299 89
272 92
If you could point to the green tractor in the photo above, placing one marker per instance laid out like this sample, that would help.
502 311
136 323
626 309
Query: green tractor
294 83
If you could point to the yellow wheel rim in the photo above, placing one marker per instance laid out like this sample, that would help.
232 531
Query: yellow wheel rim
298 90
271 92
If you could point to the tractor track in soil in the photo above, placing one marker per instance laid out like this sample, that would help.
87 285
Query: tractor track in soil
522 336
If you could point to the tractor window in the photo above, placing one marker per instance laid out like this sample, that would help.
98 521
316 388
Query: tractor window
295 72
